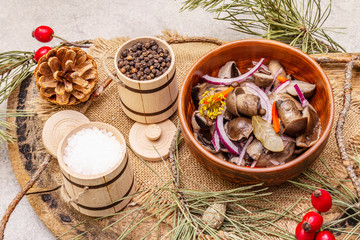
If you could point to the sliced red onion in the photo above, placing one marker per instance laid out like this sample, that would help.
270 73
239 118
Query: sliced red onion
304 102
267 90
230 145
228 81
253 164
216 141
275 163
262 66
243 151
281 87
264 100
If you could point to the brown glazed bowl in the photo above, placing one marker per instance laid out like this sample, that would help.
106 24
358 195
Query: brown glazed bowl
297 63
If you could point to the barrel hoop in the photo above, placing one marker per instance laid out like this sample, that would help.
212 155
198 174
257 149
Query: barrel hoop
152 113
103 184
147 91
111 205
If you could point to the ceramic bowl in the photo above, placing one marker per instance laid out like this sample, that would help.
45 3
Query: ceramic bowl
297 63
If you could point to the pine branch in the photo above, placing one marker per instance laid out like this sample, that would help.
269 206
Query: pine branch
281 20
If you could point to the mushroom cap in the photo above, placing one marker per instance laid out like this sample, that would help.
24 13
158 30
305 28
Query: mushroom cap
229 70
198 91
248 104
312 133
263 80
277 158
205 141
284 96
290 116
274 66
231 101
238 128
256 150
199 122
296 126
308 89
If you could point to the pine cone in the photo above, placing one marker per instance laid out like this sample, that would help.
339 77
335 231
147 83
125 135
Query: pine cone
66 76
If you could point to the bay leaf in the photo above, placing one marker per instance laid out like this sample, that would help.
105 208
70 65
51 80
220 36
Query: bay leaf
265 133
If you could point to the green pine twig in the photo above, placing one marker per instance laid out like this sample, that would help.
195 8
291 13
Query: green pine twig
300 25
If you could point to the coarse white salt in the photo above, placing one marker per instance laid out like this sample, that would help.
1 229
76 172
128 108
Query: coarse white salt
92 151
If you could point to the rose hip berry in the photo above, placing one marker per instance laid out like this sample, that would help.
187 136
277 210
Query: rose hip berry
43 33
41 52
324 235
321 200
312 222
302 235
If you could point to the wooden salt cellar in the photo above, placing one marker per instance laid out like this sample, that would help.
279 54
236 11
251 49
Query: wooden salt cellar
148 101
101 194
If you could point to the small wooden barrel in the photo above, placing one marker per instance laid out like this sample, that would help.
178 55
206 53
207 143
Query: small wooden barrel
148 101
101 194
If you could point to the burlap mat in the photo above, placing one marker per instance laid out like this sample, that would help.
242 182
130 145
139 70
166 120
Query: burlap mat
107 109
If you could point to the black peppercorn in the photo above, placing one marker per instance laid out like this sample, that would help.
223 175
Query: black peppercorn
134 47
125 53
144 61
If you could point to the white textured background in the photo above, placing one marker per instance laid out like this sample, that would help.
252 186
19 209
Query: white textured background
80 20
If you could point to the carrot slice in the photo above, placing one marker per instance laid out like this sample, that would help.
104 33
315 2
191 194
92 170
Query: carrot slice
217 95
282 79
275 117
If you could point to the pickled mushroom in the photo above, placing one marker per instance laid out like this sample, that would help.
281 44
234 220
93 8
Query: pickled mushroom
238 101
274 67
263 80
312 133
229 70
277 158
284 97
306 88
290 116
238 128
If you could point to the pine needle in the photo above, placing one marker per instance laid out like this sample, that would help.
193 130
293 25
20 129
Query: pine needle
300 25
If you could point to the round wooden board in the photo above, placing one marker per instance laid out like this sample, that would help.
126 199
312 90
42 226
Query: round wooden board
27 154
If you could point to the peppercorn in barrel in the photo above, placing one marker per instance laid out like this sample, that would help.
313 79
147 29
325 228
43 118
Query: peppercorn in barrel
144 61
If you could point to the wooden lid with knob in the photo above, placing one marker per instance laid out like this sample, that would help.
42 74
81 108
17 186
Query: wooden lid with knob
58 125
152 142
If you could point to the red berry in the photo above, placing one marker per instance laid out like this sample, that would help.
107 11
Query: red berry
312 222
321 200
324 235
41 52
43 33
302 235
